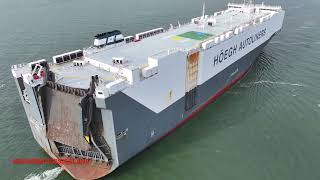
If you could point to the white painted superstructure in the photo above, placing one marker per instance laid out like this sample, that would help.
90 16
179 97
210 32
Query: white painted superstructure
155 59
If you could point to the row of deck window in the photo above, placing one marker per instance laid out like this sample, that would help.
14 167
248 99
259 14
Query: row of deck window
68 57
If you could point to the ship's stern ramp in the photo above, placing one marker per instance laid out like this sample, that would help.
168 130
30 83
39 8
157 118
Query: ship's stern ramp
63 117
67 116
67 123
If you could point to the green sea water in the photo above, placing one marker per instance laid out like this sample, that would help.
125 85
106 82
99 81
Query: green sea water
267 127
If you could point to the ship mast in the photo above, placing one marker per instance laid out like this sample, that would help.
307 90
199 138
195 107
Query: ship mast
248 2
203 9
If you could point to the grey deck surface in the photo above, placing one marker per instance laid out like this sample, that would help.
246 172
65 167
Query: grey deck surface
137 53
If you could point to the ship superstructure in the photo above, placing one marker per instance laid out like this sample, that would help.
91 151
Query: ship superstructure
108 102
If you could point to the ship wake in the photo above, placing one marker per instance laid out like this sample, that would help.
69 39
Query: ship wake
46 175
277 82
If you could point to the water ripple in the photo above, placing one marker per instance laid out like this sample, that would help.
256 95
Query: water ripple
280 83
2 86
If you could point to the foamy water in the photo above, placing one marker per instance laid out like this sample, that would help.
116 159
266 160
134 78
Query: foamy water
46 175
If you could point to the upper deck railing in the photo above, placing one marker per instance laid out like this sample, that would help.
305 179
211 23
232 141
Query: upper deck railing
243 26
260 6
174 50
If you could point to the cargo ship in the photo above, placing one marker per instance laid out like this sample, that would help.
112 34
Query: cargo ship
108 102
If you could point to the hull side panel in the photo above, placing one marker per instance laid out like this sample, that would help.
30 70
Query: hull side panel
143 126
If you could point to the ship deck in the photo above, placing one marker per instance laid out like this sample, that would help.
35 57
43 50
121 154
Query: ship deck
137 53
180 38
